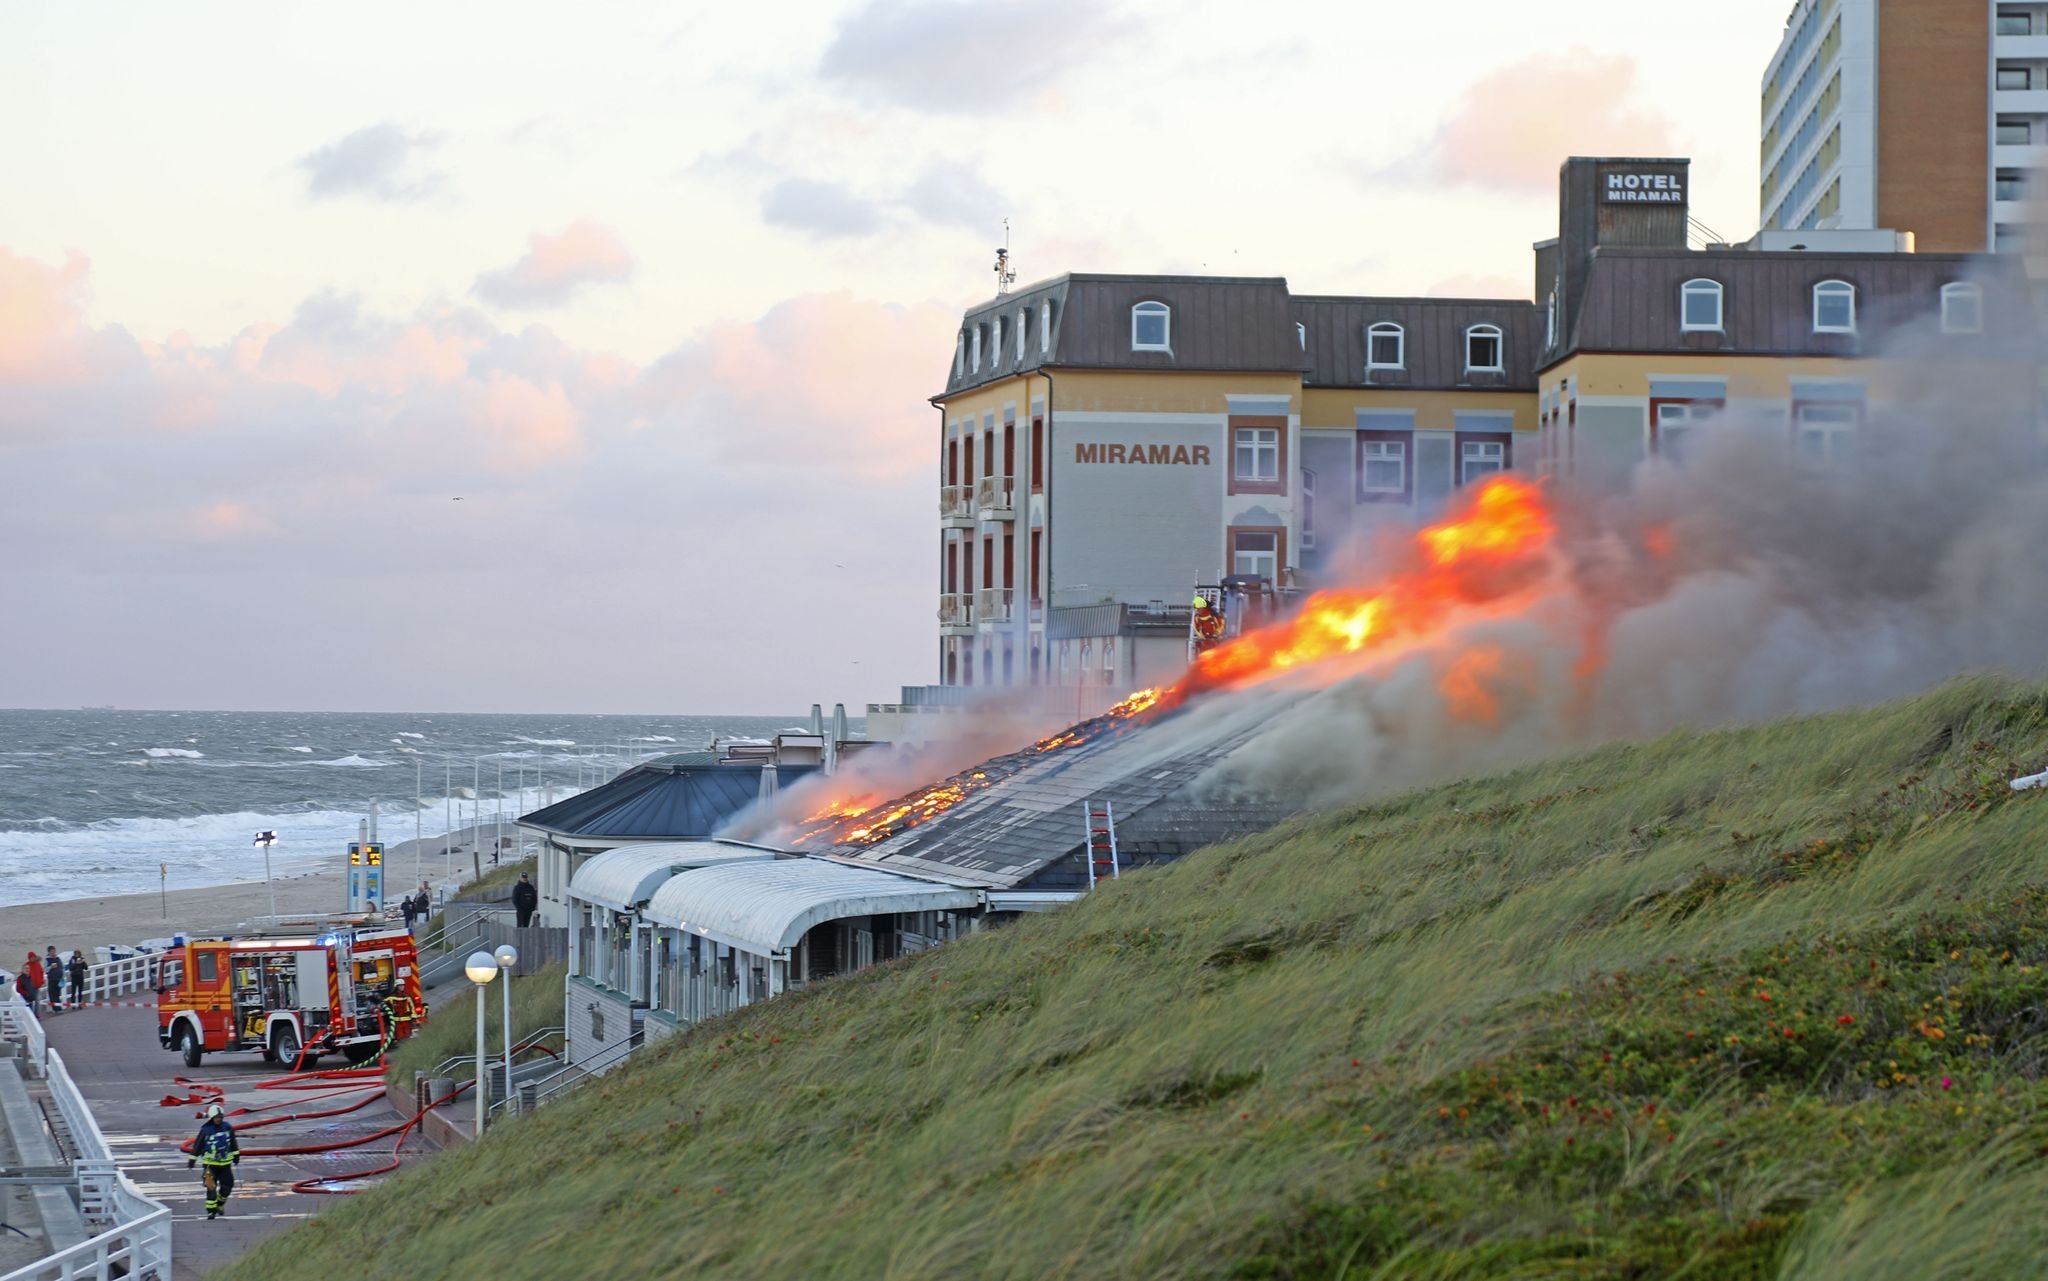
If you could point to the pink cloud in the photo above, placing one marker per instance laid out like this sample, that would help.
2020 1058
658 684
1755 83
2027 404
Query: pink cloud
556 267
1513 127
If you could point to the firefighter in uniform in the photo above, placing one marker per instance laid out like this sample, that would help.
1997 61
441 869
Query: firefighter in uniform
217 1150
1208 623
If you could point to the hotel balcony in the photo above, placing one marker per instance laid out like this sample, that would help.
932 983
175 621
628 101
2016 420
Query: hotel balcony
2020 48
2019 102
995 498
956 614
956 506
996 605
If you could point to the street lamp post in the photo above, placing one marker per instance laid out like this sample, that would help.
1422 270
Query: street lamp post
267 839
507 956
481 967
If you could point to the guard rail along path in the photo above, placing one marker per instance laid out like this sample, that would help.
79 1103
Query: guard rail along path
134 1232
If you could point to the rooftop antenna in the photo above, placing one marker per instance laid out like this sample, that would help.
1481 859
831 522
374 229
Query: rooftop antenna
1006 275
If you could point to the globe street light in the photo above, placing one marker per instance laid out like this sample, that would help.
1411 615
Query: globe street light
507 956
481 967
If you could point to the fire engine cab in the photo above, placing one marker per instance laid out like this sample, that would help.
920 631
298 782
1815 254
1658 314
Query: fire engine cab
290 999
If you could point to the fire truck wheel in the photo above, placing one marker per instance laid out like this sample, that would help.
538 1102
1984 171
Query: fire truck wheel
286 1047
189 1046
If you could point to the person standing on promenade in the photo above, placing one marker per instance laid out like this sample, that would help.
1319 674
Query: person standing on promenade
408 909
76 972
525 900
32 969
53 973
24 987
216 1148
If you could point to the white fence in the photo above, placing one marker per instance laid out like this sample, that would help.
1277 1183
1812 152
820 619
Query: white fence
134 1241
116 978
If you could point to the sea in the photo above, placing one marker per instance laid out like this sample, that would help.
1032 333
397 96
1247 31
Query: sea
102 801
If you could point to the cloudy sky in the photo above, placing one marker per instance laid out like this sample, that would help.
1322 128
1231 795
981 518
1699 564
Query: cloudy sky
658 291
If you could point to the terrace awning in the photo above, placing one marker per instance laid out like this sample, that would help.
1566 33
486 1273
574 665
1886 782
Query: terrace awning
624 878
767 907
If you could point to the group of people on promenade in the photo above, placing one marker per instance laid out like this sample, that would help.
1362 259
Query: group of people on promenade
44 978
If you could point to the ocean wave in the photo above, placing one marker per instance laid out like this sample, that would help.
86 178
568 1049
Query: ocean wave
159 753
651 738
543 742
409 734
295 749
355 762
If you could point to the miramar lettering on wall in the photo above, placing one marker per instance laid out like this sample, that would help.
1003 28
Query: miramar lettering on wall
1170 455
1643 188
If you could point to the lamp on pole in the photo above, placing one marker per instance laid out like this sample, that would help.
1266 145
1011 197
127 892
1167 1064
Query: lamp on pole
507 956
266 839
481 967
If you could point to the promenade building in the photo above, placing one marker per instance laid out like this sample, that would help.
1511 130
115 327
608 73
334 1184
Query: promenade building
1108 443
1919 116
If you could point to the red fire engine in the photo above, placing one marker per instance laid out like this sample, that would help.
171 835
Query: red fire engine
290 999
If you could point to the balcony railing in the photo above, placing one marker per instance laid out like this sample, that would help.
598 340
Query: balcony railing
995 604
956 502
996 496
956 609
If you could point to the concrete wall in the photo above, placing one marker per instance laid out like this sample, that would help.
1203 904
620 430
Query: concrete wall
586 1006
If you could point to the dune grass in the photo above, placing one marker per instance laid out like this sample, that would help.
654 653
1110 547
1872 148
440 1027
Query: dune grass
451 1024
1745 1004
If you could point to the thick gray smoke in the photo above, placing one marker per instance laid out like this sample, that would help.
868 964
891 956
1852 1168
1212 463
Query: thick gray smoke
1786 586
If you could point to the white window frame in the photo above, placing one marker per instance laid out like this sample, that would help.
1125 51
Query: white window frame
1677 419
975 362
1045 328
1832 423
1490 456
1701 287
1382 329
995 346
1262 441
1383 451
1301 333
1550 322
1500 349
1833 289
1021 328
960 353
1271 552
1956 291
1152 307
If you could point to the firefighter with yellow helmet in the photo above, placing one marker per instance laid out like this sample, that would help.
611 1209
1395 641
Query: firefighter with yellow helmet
1207 624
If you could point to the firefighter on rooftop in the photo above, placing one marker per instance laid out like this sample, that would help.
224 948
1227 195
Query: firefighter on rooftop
1208 623
217 1150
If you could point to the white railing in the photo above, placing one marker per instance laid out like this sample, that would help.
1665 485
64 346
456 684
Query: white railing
994 495
136 1240
19 1023
996 604
137 1248
110 979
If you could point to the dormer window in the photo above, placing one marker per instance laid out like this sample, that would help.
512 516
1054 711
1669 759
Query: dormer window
974 351
1020 335
1045 328
959 353
1550 322
1301 334
1834 307
995 347
1385 347
1483 350
1151 327
1699 306
1962 309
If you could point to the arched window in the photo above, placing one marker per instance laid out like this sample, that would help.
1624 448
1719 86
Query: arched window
1020 335
1962 309
960 353
1301 334
995 347
974 352
1550 321
1385 347
1151 327
1699 306
1483 349
1045 328
1834 307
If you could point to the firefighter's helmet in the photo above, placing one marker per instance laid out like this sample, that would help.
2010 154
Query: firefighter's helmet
214 1112
1201 602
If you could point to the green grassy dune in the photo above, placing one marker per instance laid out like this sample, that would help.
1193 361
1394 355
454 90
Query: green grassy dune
1768 1002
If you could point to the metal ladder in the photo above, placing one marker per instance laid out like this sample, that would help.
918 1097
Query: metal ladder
1099 822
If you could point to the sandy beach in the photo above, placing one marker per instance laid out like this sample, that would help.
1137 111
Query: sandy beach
216 909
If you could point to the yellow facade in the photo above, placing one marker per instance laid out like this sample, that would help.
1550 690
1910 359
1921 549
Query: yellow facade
1770 378
1332 408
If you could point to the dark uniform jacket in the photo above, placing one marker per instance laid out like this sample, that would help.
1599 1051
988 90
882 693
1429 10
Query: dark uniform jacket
216 1145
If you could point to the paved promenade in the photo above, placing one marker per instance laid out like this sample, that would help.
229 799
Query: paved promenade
114 1056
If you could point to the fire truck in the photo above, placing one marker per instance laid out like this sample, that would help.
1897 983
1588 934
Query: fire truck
290 999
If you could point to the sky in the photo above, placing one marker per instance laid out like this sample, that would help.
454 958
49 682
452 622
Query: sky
505 358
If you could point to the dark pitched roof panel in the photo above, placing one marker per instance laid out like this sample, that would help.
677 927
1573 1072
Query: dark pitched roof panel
1631 301
1434 330
661 802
